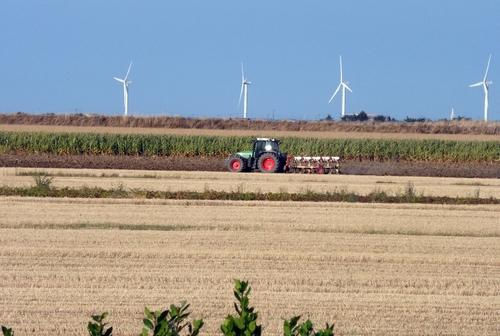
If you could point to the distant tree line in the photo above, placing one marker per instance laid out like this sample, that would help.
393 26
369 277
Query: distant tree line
363 116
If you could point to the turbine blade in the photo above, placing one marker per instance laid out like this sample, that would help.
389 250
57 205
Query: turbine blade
118 79
242 73
335 93
341 70
128 71
487 69
476 84
347 87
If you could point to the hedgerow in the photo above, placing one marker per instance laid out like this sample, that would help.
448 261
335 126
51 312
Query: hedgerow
43 188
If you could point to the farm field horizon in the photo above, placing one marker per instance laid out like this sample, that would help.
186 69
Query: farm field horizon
379 269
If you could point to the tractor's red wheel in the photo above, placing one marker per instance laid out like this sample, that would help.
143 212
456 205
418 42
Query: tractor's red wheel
236 164
268 163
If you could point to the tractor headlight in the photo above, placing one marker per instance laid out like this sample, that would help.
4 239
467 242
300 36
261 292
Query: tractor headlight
268 148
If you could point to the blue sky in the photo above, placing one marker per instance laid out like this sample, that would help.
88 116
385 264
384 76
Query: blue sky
402 58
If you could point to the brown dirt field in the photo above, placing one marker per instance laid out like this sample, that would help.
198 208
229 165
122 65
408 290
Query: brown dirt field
244 132
225 181
372 269
393 168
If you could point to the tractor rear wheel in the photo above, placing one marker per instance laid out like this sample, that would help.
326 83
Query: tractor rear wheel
236 164
268 163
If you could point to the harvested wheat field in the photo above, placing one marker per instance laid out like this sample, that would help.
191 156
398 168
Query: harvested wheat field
225 181
372 269
243 132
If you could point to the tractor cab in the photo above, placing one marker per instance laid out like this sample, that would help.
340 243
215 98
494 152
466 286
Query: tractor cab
265 156
262 145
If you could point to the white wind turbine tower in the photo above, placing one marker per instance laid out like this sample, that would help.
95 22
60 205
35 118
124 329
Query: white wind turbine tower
244 92
486 87
125 83
452 114
344 86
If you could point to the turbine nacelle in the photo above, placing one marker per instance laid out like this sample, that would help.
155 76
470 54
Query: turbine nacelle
123 81
346 85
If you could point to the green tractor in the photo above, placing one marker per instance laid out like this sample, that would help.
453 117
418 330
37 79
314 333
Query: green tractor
265 157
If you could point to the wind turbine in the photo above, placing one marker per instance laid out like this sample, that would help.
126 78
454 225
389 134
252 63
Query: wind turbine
452 113
244 92
344 86
125 83
486 87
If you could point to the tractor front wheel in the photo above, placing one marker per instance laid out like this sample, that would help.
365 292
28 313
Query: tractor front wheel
268 163
236 164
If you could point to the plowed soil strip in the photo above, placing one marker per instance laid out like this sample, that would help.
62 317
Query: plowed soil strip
393 168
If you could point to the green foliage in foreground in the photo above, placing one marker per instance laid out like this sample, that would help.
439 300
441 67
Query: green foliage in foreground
219 146
170 322
293 328
7 331
244 323
97 327
173 321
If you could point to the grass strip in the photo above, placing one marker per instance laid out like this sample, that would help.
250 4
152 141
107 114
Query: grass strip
407 196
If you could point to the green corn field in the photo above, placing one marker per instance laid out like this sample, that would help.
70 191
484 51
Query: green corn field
219 146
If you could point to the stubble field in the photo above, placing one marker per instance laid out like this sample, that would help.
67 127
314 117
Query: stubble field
373 269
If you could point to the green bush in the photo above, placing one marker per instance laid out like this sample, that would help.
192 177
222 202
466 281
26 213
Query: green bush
245 322
7 331
43 182
293 328
170 322
97 327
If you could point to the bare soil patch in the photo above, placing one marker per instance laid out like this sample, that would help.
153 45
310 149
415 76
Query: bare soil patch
395 168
